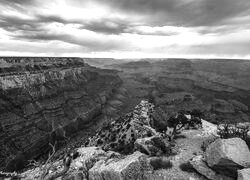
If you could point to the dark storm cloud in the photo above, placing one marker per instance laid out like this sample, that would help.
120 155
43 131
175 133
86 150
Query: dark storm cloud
42 36
117 26
210 14
34 30
88 43
128 25
36 23
183 12
11 23
106 26
21 5
51 18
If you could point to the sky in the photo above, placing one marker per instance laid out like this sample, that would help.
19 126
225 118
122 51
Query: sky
125 28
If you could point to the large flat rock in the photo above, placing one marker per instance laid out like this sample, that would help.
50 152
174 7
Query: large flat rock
244 174
228 155
131 167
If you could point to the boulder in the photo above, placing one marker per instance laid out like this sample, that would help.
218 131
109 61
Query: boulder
153 146
88 156
244 174
133 166
199 164
228 155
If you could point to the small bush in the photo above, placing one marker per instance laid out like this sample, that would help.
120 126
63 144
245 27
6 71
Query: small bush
160 163
187 167
159 121
226 131
159 142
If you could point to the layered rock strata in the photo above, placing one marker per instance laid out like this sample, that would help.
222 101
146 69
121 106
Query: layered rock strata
121 134
44 100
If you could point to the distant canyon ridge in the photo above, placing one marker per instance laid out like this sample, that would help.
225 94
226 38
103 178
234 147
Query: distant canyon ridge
218 87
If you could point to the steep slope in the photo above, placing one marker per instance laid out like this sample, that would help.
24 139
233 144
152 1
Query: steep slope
105 161
44 100
121 134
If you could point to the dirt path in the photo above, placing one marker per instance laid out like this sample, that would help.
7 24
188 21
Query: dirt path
186 147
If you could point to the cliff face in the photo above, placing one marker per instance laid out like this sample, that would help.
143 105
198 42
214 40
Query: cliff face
43 100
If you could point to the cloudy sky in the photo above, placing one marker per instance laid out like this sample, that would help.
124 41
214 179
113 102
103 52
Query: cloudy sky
125 28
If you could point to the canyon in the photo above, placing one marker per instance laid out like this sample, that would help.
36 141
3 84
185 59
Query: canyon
218 87
62 101
45 100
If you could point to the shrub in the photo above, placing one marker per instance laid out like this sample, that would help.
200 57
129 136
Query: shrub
159 120
180 120
159 142
187 167
226 131
160 163
197 113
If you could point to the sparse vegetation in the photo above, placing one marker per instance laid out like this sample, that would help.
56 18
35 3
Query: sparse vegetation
187 167
159 120
226 131
160 163
180 120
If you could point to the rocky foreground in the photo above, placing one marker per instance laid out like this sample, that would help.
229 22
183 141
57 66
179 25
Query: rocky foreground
46 100
129 148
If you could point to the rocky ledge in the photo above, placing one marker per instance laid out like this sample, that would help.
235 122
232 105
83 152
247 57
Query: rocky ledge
130 148
44 100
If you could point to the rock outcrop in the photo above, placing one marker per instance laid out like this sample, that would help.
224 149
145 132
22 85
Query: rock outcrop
199 164
153 146
132 166
121 134
95 164
244 174
226 156
44 100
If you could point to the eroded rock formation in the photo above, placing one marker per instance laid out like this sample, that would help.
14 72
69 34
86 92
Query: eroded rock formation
228 155
121 134
44 100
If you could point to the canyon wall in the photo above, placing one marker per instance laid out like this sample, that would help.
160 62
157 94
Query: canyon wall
220 87
44 100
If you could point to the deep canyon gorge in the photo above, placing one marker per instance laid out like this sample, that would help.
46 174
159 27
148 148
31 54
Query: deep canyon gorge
45 100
